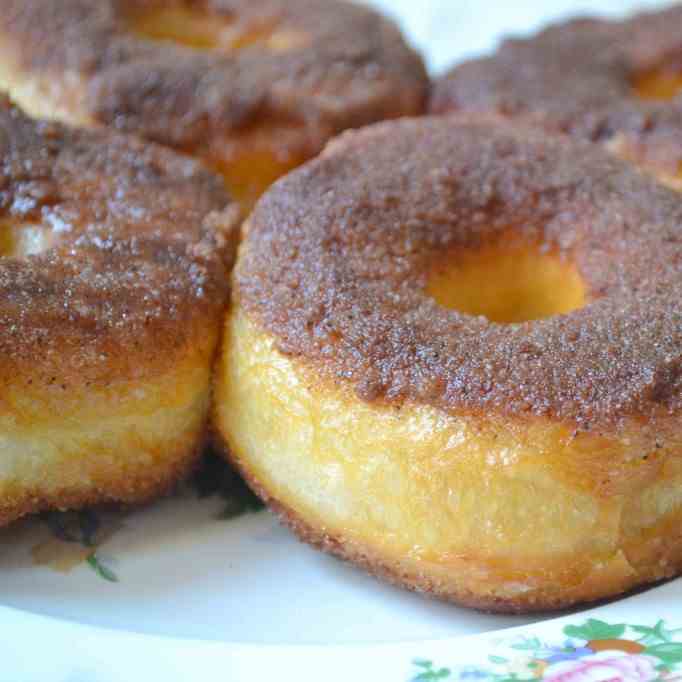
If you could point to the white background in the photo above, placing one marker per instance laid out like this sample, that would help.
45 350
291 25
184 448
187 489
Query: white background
449 30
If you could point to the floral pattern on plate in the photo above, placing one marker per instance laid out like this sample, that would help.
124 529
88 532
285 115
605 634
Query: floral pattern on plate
593 651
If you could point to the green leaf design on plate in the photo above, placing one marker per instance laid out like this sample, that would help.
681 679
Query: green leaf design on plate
74 526
655 635
216 477
428 673
595 629
528 644
670 652
240 502
422 663
99 568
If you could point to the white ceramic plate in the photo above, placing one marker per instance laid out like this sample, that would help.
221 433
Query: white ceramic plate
196 595
200 598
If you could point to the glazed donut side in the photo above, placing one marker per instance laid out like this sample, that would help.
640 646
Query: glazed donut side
254 89
108 330
615 83
504 515
511 467
128 442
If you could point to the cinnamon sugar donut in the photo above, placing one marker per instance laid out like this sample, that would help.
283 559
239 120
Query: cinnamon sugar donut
613 83
454 357
253 88
113 269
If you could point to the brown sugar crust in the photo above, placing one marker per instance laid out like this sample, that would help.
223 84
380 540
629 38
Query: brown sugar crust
138 267
107 336
337 256
579 78
351 67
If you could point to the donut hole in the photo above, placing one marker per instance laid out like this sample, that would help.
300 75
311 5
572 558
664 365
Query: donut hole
202 30
250 174
507 285
660 83
20 240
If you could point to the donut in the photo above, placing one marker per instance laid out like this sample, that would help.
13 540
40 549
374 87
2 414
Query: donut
454 357
113 275
253 88
612 83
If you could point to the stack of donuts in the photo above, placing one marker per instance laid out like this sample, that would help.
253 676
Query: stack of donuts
446 347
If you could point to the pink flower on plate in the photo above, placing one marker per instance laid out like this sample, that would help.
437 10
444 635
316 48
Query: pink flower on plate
606 666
